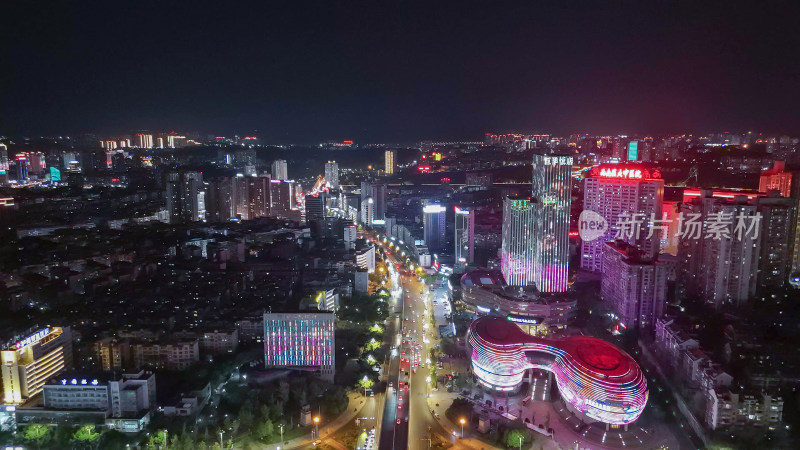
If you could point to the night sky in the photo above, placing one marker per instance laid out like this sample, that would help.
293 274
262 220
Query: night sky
378 71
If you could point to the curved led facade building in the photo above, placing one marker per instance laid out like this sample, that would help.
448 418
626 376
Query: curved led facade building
593 376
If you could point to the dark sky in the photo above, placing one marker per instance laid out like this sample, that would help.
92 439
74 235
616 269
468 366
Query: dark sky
398 71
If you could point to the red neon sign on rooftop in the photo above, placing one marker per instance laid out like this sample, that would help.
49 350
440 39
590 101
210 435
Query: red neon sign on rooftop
624 172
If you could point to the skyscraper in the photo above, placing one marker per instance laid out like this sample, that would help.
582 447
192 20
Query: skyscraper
776 178
620 192
774 263
219 200
315 207
721 269
378 193
332 174
434 224
144 140
465 238
3 164
279 170
185 197
281 197
390 161
32 361
552 190
519 241
636 288
300 340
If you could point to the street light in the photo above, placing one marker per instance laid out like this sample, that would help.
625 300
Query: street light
220 438
316 423
463 421
281 427
165 439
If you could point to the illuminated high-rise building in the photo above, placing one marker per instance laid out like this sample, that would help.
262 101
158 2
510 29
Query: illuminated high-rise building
145 140
390 161
332 174
160 142
434 223
279 170
622 192
300 341
552 191
378 193
3 164
465 238
776 178
219 200
29 363
315 208
519 241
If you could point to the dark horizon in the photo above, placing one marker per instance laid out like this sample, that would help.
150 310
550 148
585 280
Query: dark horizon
312 72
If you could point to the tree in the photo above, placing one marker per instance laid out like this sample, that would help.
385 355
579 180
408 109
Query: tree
216 446
157 439
246 418
264 429
37 433
515 438
365 383
86 433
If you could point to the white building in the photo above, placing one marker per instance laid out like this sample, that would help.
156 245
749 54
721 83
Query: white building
301 341
365 258
615 191
173 356
349 236
465 238
279 170
390 161
332 174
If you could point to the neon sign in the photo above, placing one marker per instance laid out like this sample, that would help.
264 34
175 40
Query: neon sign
32 339
625 172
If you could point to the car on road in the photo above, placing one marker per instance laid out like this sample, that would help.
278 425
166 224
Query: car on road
317 442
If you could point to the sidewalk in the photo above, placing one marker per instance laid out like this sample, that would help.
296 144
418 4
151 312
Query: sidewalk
327 429
444 399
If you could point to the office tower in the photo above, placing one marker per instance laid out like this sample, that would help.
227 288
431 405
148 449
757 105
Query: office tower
279 170
144 140
160 142
30 362
3 164
519 241
774 263
552 190
185 197
633 151
482 179
776 178
622 193
390 161
301 341
434 224
22 168
36 163
219 200
315 207
378 193
635 287
332 174
465 238
720 268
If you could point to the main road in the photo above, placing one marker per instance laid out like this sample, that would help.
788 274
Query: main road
407 420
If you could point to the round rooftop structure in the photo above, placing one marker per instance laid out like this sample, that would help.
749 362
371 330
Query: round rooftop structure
593 376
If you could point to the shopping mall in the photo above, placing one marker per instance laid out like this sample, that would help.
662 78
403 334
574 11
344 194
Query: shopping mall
597 381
